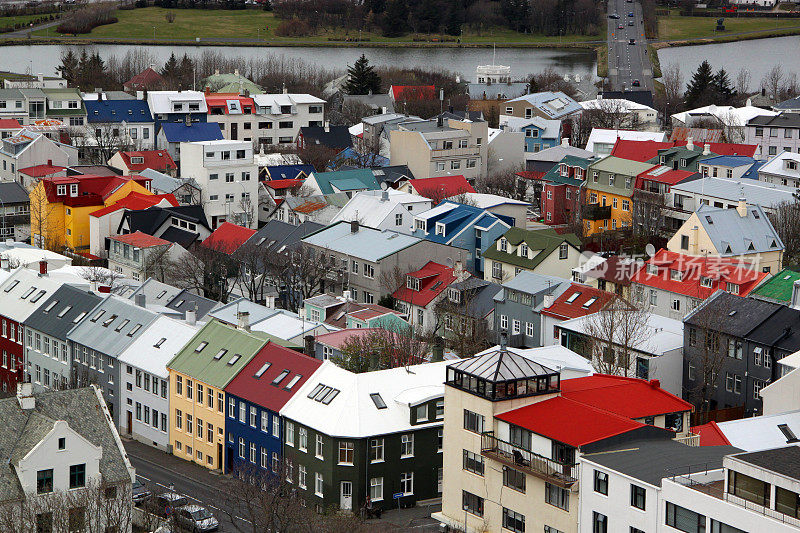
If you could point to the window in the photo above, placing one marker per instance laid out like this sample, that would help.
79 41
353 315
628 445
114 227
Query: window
407 445
318 484
44 481
302 439
637 496
514 479
683 519
376 488
497 270
422 413
599 523
345 452
563 250
471 503
513 521
77 476
472 462
601 482
473 422
320 447
555 495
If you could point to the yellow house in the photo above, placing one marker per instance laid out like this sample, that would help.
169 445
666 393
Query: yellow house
198 375
60 206
609 194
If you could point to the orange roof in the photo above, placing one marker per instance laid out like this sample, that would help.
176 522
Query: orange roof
9 124
228 237
39 171
145 79
310 206
441 187
140 240
220 100
136 201
577 301
155 159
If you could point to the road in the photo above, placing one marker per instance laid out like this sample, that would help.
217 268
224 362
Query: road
627 62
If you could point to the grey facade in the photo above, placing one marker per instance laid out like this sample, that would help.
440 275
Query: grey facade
96 343
774 134
49 360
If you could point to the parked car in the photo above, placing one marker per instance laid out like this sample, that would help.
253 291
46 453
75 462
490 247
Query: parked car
620 27
630 23
636 83
165 504
613 16
140 492
631 41
630 14
196 518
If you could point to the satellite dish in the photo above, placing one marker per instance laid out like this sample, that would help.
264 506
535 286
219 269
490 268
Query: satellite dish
384 186
650 250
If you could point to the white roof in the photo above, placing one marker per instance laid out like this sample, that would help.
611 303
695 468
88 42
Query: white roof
556 357
663 334
443 207
604 136
269 100
760 432
485 201
368 208
18 301
792 360
728 115
589 261
614 104
352 412
356 129
777 166
30 256
143 353
756 192
286 326
161 101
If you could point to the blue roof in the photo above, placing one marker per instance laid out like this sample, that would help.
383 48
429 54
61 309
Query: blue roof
288 172
729 161
455 220
344 178
117 111
752 172
178 132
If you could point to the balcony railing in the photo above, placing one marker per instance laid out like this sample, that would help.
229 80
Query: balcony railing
521 459
692 439
596 212
766 511
451 152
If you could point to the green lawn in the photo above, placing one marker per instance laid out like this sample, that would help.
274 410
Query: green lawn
254 24
6 22
678 28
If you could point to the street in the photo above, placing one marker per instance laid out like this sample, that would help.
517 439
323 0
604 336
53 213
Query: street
627 62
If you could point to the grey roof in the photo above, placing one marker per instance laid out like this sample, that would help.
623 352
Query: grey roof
650 461
187 300
728 313
496 91
392 174
12 192
783 120
155 292
10 94
531 283
784 461
278 234
324 301
501 365
553 104
367 243
757 192
479 299
791 103
80 409
733 234
374 101
555 154
104 337
229 312
160 181
56 322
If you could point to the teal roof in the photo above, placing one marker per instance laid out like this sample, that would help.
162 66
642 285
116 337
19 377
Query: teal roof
359 178
554 175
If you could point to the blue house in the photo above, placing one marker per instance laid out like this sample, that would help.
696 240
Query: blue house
254 430
540 133
129 120
462 226
174 133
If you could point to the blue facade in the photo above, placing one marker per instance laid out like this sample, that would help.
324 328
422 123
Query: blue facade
253 436
538 139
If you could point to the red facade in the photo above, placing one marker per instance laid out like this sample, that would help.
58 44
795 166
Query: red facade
11 364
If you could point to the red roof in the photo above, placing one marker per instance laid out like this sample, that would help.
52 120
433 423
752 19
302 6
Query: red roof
155 159
283 184
227 238
628 397
136 201
9 124
261 390
92 190
616 269
433 279
441 187
337 339
748 150
662 174
572 303
140 240
39 171
569 421
692 268
220 101
711 435
531 174
145 79
644 151
412 92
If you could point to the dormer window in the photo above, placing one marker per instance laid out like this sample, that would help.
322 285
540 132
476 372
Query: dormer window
675 275
791 165
563 169
73 189
412 283
61 190
440 229
523 250
420 225
733 288
652 270
503 245
137 160
662 159
454 295
611 178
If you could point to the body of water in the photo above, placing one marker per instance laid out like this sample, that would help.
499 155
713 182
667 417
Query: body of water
757 56
45 58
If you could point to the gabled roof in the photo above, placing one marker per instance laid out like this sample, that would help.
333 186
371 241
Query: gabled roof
545 241
135 201
92 190
337 137
778 288
616 269
549 129
624 396
770 118
146 79
258 381
9 124
151 352
647 150
781 332
456 218
733 234
57 315
229 103
154 159
433 280
760 432
117 111
280 236
346 180
337 339
366 243
370 208
732 161
199 131
710 435
666 175
11 192
113 325
24 291
149 220
288 172
662 334
731 314
578 300
228 237
186 300
140 240
412 92
441 187
607 136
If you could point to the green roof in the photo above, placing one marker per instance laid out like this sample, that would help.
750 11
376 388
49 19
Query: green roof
202 365
779 287
545 240
554 174
230 82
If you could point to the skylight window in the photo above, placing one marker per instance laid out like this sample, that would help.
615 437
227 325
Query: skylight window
109 320
161 295
755 214
315 391
201 346
573 297
97 316
13 284
179 304
133 331
378 400
77 318
263 369
50 306
64 311
122 325
328 398
160 342
788 433
293 382
220 354
589 303
708 219
280 377
38 296
28 293
234 359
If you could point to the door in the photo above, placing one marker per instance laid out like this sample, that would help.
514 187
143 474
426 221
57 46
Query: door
219 455
234 131
130 423
346 496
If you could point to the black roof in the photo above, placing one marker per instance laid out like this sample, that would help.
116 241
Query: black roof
187 300
781 331
650 461
392 174
179 236
640 97
12 192
278 234
52 322
149 220
336 136
728 313
784 120
784 461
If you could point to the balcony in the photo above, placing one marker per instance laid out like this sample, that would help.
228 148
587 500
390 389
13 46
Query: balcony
456 152
596 212
564 475
692 439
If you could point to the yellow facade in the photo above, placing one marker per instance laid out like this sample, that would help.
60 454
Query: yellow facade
621 212
197 421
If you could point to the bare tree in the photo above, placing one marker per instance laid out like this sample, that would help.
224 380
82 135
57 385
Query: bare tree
301 272
615 332
100 275
382 348
464 330
255 263
45 227
785 217
353 111
743 81
98 142
208 270
708 354
649 210
502 183
772 82
316 155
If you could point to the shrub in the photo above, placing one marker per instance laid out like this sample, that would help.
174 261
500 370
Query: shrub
88 18
170 16
293 28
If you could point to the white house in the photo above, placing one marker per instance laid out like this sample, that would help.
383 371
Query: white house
228 178
783 169
389 209
279 117
27 149
632 114
601 141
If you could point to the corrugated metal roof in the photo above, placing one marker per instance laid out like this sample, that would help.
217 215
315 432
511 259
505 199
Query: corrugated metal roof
733 234
367 243
756 192
57 315
119 325
151 352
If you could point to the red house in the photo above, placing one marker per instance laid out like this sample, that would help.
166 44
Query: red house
560 199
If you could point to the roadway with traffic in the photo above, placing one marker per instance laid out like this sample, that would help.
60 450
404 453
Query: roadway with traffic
629 65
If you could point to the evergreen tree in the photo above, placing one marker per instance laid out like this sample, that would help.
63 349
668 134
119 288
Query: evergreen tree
69 67
171 70
186 72
362 78
395 20
454 19
722 87
701 85
427 16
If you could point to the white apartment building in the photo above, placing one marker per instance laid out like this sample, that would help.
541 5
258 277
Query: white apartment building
228 179
279 117
145 396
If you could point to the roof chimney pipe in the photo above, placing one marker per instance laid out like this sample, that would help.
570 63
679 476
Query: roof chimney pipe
243 320
689 143
741 207
140 299
191 316
25 396
43 267
354 226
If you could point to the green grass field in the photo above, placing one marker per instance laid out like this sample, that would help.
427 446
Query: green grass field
6 22
678 28
139 24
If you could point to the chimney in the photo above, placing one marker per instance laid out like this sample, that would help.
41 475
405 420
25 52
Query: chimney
741 207
346 295
437 351
694 244
216 72
706 149
439 121
749 103
354 226
140 95
236 72
384 196
93 284
565 141
43 267
656 384
207 90
548 300
40 77
327 126
49 162
689 143
25 396
795 304
308 343
191 316
243 320
140 299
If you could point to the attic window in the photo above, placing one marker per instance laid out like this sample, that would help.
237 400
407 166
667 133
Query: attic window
28 292
64 311
293 382
137 160
732 313
233 360
38 296
377 400
573 297
774 245
328 398
589 303
315 391
109 320
755 214
13 284
788 433
122 325
201 346
280 377
77 318
751 247
412 283
220 354
161 295
133 331
160 342
261 370
440 229
705 282
98 315
708 219
50 306
177 305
